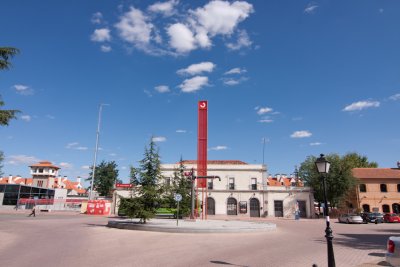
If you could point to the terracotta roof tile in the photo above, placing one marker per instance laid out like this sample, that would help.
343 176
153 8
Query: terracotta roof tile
380 173
45 164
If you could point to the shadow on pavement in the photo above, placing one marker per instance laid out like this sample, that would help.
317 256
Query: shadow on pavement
96 225
362 241
227 263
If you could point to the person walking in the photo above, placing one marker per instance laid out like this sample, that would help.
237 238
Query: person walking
33 211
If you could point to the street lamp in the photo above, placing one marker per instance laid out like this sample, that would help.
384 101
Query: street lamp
323 168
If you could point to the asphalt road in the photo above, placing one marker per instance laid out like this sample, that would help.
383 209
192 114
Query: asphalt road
81 240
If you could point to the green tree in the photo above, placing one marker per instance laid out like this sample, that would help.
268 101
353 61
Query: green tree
182 185
339 180
7 114
106 174
5 54
1 163
148 189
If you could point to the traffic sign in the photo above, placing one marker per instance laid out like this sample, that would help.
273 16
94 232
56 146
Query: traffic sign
178 197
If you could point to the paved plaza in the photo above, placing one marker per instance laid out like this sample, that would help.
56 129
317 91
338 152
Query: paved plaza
68 239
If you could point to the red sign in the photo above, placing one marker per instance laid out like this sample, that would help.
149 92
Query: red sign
123 185
202 104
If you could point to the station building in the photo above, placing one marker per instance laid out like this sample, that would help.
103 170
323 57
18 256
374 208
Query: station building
246 191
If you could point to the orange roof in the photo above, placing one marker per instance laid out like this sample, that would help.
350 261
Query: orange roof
16 180
45 164
216 162
379 173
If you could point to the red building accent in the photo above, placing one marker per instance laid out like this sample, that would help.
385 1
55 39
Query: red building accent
202 144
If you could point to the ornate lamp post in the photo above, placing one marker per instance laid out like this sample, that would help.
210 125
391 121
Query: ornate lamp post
323 168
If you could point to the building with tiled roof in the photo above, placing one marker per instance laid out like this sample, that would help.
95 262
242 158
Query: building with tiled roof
245 190
378 190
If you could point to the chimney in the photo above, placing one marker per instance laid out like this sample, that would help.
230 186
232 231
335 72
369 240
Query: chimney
10 178
78 179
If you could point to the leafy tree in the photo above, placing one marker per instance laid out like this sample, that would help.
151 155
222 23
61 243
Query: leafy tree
182 185
106 174
6 114
5 54
1 163
148 189
339 180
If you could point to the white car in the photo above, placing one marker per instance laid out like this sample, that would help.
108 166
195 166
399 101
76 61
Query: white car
350 218
393 251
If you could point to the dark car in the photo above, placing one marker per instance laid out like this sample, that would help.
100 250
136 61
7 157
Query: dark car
372 217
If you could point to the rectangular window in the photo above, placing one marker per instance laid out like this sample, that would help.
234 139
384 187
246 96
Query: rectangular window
40 170
253 183
243 207
363 188
231 183
168 181
210 184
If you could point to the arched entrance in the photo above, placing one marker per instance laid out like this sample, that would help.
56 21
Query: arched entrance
396 208
210 206
231 206
254 207
366 208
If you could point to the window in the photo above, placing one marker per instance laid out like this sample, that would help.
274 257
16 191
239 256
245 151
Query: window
398 187
253 183
363 188
383 188
243 207
231 183
168 181
366 208
40 170
385 208
210 184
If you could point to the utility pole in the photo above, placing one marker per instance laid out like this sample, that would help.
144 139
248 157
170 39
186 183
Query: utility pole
96 150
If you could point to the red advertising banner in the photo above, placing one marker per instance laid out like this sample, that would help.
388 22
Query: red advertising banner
202 144
123 185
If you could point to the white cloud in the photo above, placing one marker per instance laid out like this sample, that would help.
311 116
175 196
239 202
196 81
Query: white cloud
242 41
198 68
181 38
85 167
311 8
66 165
231 81
300 134
101 35
134 28
23 89
222 17
395 97
235 71
265 121
97 18
217 148
193 84
360 105
112 155
165 8
75 145
159 139
26 118
262 111
162 89
180 131
51 117
105 48
315 144
21 160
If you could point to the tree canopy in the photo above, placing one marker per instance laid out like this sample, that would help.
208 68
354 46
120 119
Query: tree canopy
7 114
5 54
339 180
106 174
148 190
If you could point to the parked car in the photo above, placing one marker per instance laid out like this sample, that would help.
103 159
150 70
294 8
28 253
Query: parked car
393 251
350 218
391 218
372 217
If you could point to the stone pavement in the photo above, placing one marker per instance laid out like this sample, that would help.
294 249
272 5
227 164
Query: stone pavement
193 226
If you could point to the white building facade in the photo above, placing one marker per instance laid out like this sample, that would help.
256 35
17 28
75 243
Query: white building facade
245 190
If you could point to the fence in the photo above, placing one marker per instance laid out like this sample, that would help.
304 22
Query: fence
51 204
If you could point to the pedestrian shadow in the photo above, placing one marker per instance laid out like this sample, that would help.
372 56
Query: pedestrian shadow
227 263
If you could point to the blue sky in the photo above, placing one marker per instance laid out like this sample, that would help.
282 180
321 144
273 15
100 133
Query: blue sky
310 77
